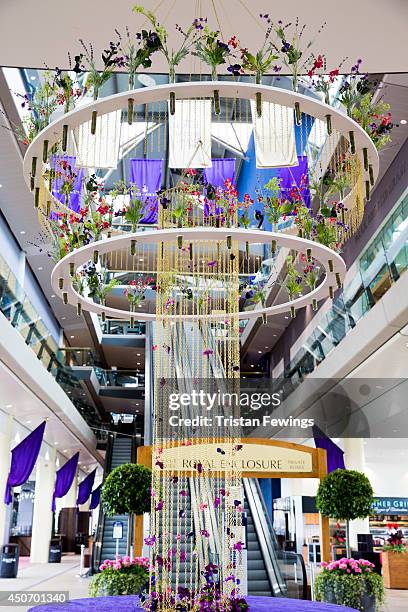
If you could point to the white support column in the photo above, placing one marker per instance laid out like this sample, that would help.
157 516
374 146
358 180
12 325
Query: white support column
42 514
354 459
6 422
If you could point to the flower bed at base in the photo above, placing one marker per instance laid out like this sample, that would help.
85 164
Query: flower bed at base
122 576
350 582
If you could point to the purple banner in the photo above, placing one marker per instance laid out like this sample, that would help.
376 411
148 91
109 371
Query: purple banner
85 488
65 477
146 174
23 458
71 176
335 456
295 180
95 498
220 171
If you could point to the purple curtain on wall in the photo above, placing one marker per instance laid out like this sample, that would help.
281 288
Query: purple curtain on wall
335 456
75 195
23 458
85 488
220 171
292 177
65 477
147 175
95 498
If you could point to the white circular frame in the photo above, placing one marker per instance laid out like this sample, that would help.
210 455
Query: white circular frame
205 89
85 254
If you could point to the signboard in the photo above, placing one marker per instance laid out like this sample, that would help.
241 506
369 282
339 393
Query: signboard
117 530
391 505
254 458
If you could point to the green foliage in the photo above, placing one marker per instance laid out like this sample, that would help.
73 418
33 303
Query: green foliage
114 582
345 495
349 589
293 281
211 50
126 490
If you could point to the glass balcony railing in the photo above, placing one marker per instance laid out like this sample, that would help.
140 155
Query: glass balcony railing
22 315
120 378
119 328
380 266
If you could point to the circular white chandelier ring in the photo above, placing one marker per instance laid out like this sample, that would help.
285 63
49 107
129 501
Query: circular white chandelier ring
334 270
205 89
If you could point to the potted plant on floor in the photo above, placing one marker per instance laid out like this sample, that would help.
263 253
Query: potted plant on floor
123 576
395 559
126 490
352 583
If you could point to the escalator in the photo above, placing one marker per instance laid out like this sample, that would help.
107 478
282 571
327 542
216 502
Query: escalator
119 451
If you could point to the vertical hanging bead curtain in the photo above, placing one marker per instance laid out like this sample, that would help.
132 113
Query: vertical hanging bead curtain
95 498
147 175
335 456
85 488
23 458
65 477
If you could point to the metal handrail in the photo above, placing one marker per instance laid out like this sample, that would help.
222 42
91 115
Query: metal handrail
97 546
265 534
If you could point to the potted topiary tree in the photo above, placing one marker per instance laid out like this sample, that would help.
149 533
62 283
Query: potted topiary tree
345 495
126 490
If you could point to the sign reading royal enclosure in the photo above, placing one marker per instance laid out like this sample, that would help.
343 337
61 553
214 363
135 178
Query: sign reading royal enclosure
253 457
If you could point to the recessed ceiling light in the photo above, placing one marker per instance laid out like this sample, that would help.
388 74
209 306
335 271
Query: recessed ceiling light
63 318
1 186
27 421
40 268
137 354
9 406
403 121
286 317
56 443
260 352
252 365
138 363
53 296
72 336
274 335
22 232
141 258
65 450
140 305
266 346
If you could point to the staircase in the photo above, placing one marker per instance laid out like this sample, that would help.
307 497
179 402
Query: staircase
121 453
258 581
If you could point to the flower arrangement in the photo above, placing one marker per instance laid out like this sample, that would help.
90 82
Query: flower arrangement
211 50
290 37
395 542
69 89
137 51
322 80
122 576
262 61
350 582
86 62
173 57
135 291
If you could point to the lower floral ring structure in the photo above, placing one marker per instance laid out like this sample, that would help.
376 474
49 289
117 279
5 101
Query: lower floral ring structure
195 267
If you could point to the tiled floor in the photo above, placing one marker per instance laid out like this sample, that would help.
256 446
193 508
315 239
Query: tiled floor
65 576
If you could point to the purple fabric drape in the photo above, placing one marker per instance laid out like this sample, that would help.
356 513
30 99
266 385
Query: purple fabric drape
221 170
335 456
297 178
147 175
23 458
95 498
65 476
75 195
85 488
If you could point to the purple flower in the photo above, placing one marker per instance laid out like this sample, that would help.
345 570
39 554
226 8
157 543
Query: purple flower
159 506
150 540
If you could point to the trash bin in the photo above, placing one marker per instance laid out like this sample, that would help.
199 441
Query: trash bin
55 551
9 561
